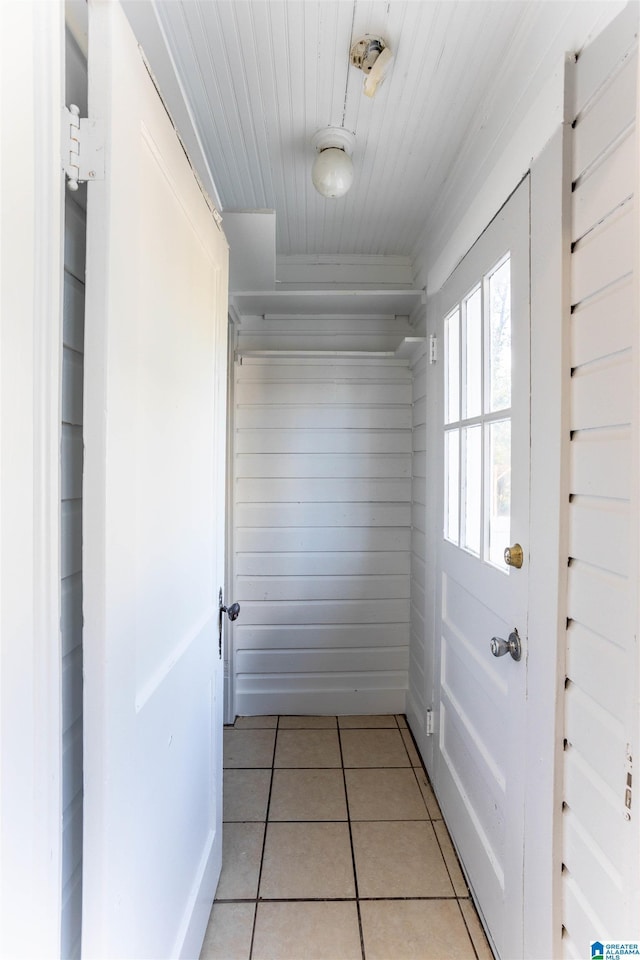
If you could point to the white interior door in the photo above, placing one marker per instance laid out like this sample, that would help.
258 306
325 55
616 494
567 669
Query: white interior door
485 445
155 386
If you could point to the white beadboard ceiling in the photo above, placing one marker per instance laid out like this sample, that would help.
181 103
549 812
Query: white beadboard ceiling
262 76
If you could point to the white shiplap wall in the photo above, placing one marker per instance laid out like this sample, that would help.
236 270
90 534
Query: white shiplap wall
71 466
322 532
600 845
417 646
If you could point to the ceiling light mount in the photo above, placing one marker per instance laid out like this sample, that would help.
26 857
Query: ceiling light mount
332 171
365 52
372 55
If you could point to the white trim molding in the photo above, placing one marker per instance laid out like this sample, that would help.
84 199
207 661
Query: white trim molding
31 85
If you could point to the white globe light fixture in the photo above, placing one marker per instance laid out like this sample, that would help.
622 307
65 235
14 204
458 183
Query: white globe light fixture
332 171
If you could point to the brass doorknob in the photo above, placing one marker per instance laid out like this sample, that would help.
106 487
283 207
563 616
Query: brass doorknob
513 556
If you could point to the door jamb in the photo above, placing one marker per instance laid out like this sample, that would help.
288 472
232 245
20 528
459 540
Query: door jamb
32 60
549 497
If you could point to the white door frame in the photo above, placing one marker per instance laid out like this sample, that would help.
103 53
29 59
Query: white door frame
542 736
492 841
550 317
31 85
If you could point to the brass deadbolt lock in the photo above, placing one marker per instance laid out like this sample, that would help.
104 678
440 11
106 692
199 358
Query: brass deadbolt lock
514 556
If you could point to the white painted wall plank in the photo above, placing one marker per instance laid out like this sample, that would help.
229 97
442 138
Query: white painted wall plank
370 441
307 515
319 636
598 736
612 309
314 539
268 588
314 466
600 463
418 516
419 462
415 667
593 801
599 600
419 544
331 661
329 490
328 391
324 693
600 533
606 188
419 416
418 490
607 119
604 255
597 666
325 563
601 393
301 417
598 60
419 439
597 878
578 915
319 612
305 685
420 382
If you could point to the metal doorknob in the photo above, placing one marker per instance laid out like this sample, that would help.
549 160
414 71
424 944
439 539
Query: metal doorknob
513 556
233 612
513 646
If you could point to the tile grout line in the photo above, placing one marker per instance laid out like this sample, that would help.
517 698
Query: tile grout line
353 855
423 899
264 838
466 925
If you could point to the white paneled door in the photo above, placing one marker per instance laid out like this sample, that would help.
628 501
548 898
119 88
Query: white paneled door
155 386
483 601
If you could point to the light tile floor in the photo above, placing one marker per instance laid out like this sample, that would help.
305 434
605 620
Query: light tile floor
334 848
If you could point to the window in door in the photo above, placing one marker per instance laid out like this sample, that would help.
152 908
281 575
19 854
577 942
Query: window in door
477 420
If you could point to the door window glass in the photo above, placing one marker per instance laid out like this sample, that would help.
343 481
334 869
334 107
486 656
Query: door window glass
452 378
499 334
477 429
452 485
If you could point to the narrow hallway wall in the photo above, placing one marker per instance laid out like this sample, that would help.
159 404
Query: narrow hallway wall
600 840
322 518
418 666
